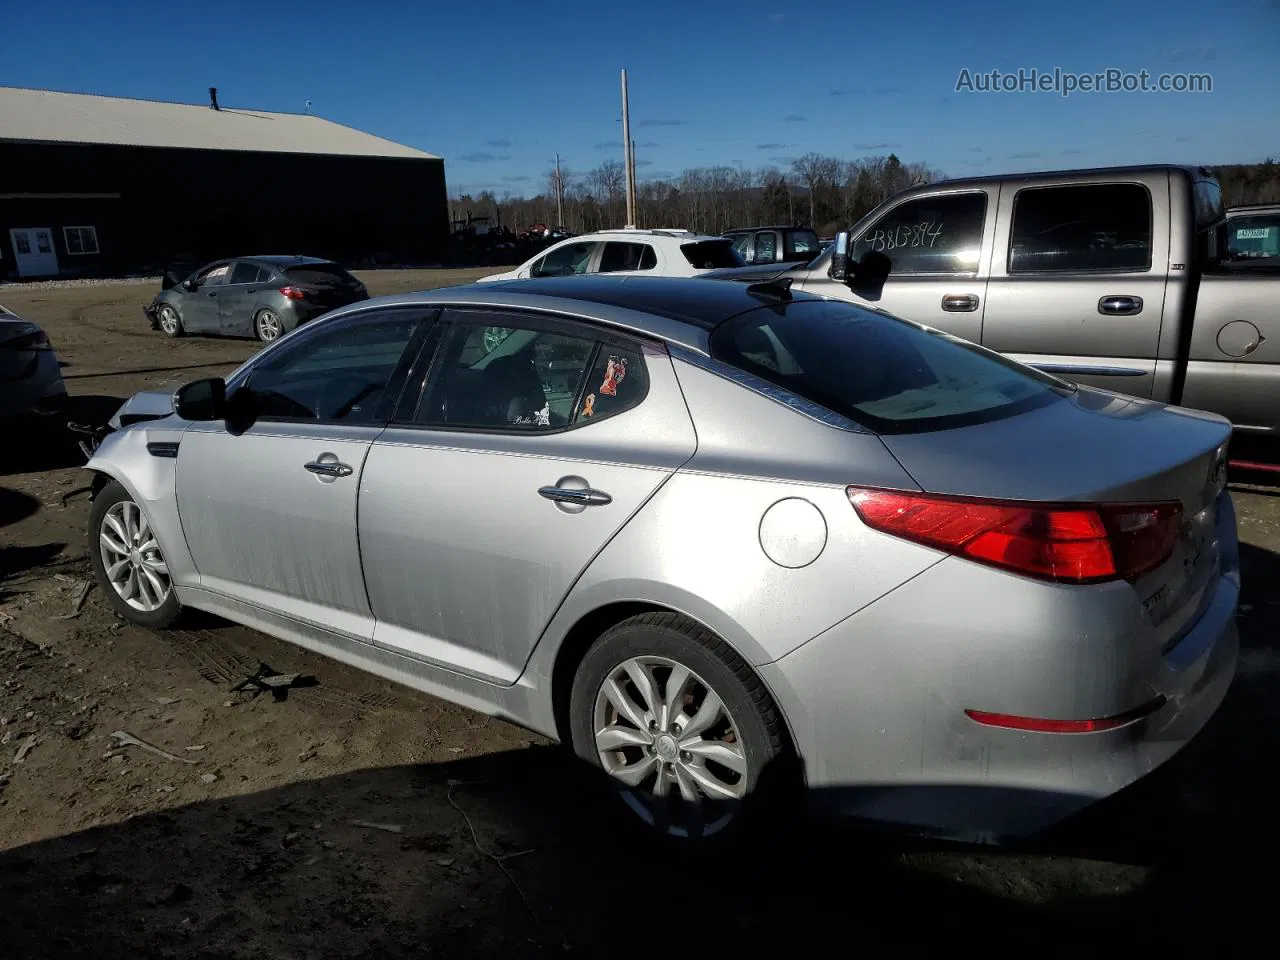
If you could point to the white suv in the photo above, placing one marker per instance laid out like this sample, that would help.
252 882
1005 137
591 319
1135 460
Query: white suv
659 253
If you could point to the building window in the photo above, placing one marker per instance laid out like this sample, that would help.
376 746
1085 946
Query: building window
81 239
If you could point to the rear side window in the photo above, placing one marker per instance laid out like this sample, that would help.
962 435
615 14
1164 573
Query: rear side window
321 275
248 273
884 373
627 256
1093 228
802 243
529 379
564 261
711 254
931 234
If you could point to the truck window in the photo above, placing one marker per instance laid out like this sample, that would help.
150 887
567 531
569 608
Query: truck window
1095 228
1254 240
766 247
935 234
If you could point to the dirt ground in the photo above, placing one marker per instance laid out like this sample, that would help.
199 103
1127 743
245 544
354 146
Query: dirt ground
356 818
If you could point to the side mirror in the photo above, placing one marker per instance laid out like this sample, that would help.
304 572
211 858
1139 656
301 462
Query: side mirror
201 400
871 271
839 269
190 285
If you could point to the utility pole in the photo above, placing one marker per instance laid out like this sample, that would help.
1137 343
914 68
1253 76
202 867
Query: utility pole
559 195
631 179
626 145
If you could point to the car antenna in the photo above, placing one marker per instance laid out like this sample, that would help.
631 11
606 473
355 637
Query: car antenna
779 288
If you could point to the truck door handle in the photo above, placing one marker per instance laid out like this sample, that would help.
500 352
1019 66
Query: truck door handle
1115 306
328 468
959 302
584 497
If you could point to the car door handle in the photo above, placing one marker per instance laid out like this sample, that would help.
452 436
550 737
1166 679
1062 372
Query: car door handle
329 468
959 302
1120 306
584 497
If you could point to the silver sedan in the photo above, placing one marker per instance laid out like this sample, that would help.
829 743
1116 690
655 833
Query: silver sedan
698 529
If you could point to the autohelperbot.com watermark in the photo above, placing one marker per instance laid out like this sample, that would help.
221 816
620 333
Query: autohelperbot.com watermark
1065 83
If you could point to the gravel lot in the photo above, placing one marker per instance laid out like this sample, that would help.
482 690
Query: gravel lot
356 818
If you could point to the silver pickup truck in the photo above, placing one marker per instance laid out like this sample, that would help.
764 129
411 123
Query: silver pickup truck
1133 279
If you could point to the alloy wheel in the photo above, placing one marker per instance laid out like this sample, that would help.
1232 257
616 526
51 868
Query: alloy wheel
131 557
268 326
670 741
168 320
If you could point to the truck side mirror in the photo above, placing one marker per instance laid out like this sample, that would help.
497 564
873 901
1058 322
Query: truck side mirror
871 271
839 269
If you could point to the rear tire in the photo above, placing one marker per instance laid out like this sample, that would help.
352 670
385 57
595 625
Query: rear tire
267 326
683 727
127 561
168 321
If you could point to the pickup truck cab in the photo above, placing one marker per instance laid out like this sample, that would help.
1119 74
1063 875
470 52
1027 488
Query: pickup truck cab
1120 278
757 245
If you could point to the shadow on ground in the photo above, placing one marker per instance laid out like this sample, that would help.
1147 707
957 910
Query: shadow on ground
49 445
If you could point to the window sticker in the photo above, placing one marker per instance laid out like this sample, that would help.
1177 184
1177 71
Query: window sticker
614 374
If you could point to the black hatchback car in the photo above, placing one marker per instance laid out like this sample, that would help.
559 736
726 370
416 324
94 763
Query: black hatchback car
263 297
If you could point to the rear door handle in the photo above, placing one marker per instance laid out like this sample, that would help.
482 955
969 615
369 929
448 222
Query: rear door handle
1119 306
329 468
959 302
579 497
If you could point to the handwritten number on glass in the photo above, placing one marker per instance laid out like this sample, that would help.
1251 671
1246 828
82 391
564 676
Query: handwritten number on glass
907 236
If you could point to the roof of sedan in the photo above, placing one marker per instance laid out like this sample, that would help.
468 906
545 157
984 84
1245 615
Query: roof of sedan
702 303
282 260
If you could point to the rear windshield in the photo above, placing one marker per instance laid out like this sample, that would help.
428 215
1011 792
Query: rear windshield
884 373
802 243
321 275
711 254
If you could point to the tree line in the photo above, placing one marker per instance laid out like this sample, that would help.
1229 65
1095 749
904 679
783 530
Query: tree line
824 192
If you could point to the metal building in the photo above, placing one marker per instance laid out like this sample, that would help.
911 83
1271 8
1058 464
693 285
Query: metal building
93 185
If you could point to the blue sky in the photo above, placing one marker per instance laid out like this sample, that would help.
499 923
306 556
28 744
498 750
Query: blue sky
498 88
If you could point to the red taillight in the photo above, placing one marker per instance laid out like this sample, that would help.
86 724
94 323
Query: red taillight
1066 543
293 293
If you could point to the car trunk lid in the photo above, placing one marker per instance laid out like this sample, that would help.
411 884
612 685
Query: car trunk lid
1097 447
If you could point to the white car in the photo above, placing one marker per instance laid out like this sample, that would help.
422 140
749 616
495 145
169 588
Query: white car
656 253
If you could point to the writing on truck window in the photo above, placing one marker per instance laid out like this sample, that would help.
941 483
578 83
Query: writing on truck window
905 236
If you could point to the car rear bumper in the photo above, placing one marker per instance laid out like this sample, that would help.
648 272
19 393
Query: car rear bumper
877 706
39 392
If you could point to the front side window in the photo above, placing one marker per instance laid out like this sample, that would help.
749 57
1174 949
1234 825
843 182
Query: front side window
214 276
342 373
80 240
935 234
564 261
627 256
1253 240
766 247
530 379
1092 228
884 373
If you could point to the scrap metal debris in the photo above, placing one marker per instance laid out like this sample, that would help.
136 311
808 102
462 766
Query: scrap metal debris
165 701
129 740
388 827
82 591
25 748
265 680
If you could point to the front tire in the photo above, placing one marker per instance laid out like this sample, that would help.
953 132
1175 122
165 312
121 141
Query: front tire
679 722
268 326
169 322
127 561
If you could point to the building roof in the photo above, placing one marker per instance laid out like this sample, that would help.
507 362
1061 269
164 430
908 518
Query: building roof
51 116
